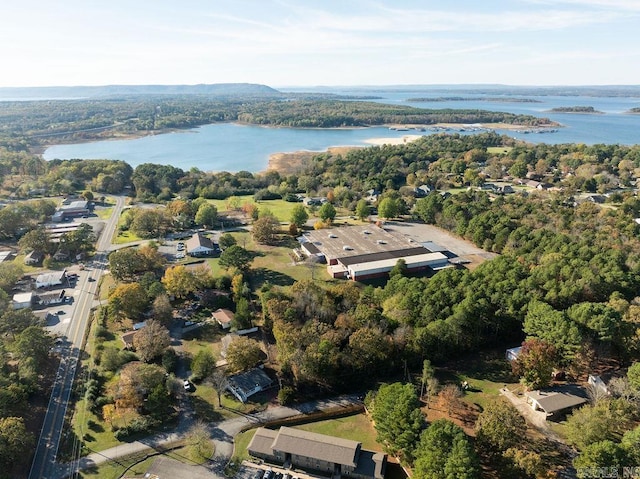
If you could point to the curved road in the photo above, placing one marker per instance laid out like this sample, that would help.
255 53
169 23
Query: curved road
44 461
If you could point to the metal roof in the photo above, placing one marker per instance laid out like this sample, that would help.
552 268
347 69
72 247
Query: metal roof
317 446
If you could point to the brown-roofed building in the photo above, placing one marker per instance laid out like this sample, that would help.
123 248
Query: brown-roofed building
223 317
127 339
200 245
328 454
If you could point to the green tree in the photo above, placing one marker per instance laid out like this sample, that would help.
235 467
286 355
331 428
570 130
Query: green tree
37 240
535 363
198 441
397 417
299 215
207 215
242 316
399 269
445 452
327 213
633 375
10 273
363 210
237 257
151 341
14 441
605 420
429 207
203 364
162 309
13 321
389 208
226 241
265 230
34 342
603 454
500 426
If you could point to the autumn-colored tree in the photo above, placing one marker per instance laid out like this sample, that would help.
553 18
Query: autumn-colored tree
162 309
243 354
136 381
129 300
535 363
151 341
179 281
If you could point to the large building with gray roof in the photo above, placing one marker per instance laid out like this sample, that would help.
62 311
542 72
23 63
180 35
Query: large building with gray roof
366 252
334 456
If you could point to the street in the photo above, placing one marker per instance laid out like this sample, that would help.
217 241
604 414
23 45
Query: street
44 462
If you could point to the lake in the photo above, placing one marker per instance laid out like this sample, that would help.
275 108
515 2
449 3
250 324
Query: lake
233 147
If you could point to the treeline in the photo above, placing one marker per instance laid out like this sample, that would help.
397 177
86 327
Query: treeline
332 113
55 121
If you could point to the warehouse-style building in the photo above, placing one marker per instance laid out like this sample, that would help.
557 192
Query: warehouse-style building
365 252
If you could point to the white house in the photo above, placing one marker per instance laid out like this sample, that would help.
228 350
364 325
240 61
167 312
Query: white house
51 279
200 245
22 300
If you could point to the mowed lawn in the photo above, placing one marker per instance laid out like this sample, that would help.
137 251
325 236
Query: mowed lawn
356 428
274 264
280 208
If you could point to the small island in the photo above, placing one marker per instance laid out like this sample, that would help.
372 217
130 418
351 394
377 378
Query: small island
576 109
634 111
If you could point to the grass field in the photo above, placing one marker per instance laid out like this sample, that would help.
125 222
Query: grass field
280 208
273 263
499 150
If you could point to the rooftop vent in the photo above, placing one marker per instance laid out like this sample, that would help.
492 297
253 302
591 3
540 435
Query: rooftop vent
381 242
331 235
347 248
366 232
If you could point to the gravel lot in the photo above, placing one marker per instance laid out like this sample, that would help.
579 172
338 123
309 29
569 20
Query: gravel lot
465 250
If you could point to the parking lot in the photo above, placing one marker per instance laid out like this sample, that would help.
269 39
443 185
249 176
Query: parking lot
57 315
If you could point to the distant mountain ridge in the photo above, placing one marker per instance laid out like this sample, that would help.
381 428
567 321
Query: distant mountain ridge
69 92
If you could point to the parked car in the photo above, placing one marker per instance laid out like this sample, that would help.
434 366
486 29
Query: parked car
259 474
187 385
180 246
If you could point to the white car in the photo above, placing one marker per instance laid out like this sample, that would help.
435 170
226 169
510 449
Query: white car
187 385
180 255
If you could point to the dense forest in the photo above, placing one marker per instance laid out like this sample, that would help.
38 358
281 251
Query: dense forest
51 121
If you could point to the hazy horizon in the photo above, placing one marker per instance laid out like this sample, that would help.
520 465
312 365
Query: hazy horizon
359 43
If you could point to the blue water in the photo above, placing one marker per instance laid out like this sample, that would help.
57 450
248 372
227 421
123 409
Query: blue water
232 147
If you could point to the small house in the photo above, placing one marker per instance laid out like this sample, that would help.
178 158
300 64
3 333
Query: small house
22 300
34 258
51 279
245 385
199 245
557 401
224 317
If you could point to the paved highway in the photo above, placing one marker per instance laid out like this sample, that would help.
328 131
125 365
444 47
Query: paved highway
44 464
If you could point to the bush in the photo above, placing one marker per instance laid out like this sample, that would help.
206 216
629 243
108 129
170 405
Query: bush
286 395
138 425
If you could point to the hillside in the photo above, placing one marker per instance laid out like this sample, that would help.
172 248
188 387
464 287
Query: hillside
215 89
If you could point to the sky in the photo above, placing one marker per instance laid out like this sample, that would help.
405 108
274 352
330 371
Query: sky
319 42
